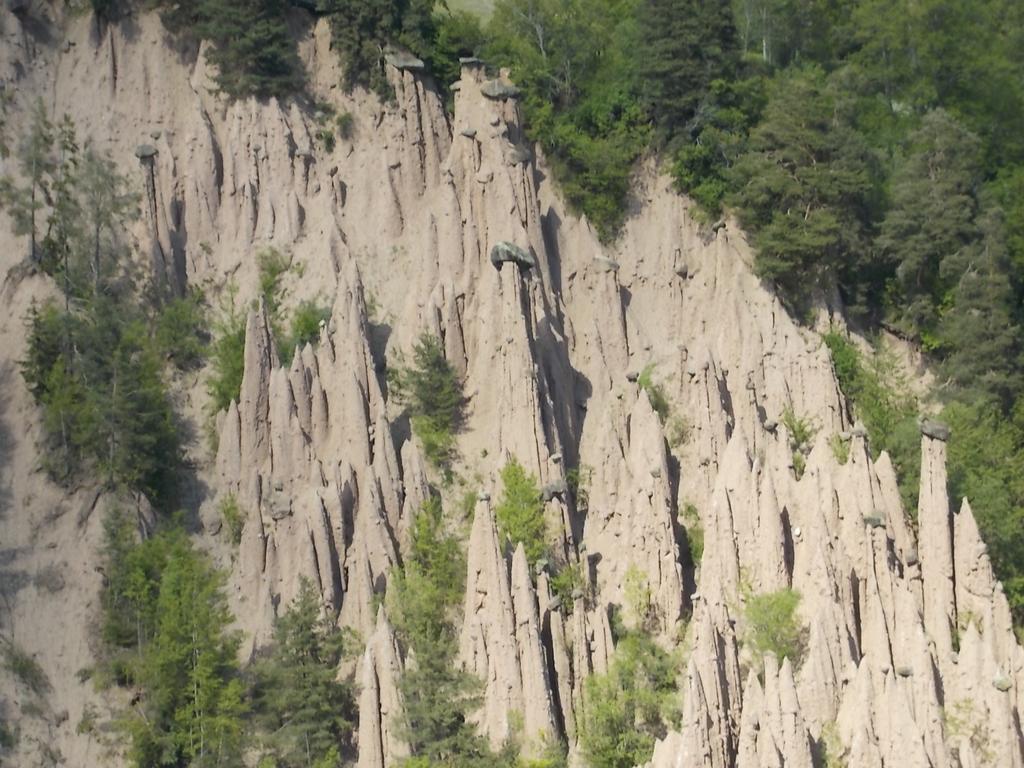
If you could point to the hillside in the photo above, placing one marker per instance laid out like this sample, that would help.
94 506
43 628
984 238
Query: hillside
686 440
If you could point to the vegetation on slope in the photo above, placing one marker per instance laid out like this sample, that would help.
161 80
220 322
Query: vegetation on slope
166 633
631 705
439 697
95 360
433 394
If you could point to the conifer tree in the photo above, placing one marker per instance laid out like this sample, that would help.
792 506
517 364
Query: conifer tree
36 161
805 187
686 45
306 712
520 511
193 695
432 391
439 697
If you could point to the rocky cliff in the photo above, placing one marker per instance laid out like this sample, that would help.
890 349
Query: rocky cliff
905 622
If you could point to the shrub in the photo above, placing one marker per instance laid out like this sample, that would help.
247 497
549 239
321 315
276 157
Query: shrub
840 448
232 518
272 267
773 626
881 400
345 124
631 705
690 519
655 393
305 329
228 358
520 512
326 137
695 542
801 430
8 735
578 480
678 431
638 598
180 330
801 433
564 582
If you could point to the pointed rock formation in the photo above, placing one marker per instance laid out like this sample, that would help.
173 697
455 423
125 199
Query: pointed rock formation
381 709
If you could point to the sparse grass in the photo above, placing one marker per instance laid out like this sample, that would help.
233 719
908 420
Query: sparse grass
655 393
840 448
962 721
677 431
637 591
87 723
833 753
801 433
25 668
326 137
578 480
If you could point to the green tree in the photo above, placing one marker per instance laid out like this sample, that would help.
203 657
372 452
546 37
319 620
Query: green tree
986 465
252 48
228 355
881 399
575 64
773 625
131 431
132 570
931 217
438 696
106 205
193 696
305 711
360 32
433 394
630 706
805 188
687 44
459 34
36 162
520 512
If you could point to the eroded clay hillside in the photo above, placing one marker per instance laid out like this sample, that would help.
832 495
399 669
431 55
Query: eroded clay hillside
403 228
